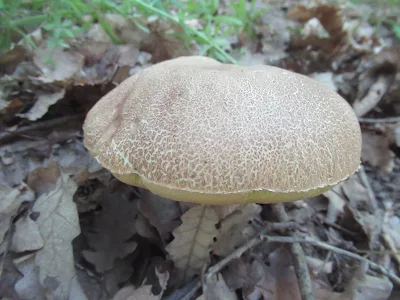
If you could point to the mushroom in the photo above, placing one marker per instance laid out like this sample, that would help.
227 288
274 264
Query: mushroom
193 129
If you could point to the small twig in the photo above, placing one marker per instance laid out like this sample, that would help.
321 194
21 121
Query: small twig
284 239
193 291
386 236
299 258
374 266
371 195
8 241
6 135
380 120
183 292
272 226
374 206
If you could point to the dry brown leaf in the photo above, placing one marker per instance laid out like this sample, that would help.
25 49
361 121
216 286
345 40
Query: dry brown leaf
225 210
258 281
366 287
215 288
11 199
101 69
327 14
193 239
44 180
386 62
9 275
144 228
42 104
26 236
376 151
29 286
10 59
66 64
161 212
144 292
59 225
108 232
356 193
235 228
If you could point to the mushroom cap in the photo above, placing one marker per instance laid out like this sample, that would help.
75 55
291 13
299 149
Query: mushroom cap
193 129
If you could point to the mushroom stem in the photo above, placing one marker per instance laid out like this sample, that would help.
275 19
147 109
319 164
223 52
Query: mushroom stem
299 259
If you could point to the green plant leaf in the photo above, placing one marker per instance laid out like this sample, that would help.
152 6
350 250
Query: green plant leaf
396 29
229 20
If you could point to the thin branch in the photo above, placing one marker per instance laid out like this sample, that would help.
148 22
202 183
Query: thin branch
380 120
184 292
298 257
284 239
193 291
371 195
376 231
6 135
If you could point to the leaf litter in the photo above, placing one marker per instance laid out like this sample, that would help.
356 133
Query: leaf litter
69 230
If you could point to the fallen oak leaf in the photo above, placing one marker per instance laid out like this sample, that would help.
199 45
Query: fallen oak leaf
235 228
193 239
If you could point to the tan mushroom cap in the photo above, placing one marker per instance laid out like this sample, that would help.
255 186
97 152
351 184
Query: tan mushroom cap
193 129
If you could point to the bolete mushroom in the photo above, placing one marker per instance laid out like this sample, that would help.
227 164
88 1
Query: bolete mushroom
193 129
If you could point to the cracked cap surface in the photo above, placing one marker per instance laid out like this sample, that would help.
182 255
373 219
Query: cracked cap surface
194 129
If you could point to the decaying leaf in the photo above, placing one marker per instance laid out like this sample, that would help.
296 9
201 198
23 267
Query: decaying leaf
29 286
59 225
215 288
144 292
327 14
259 281
109 231
193 239
162 213
57 64
26 236
377 80
119 275
8 277
366 287
376 151
235 229
11 199
144 228
42 104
